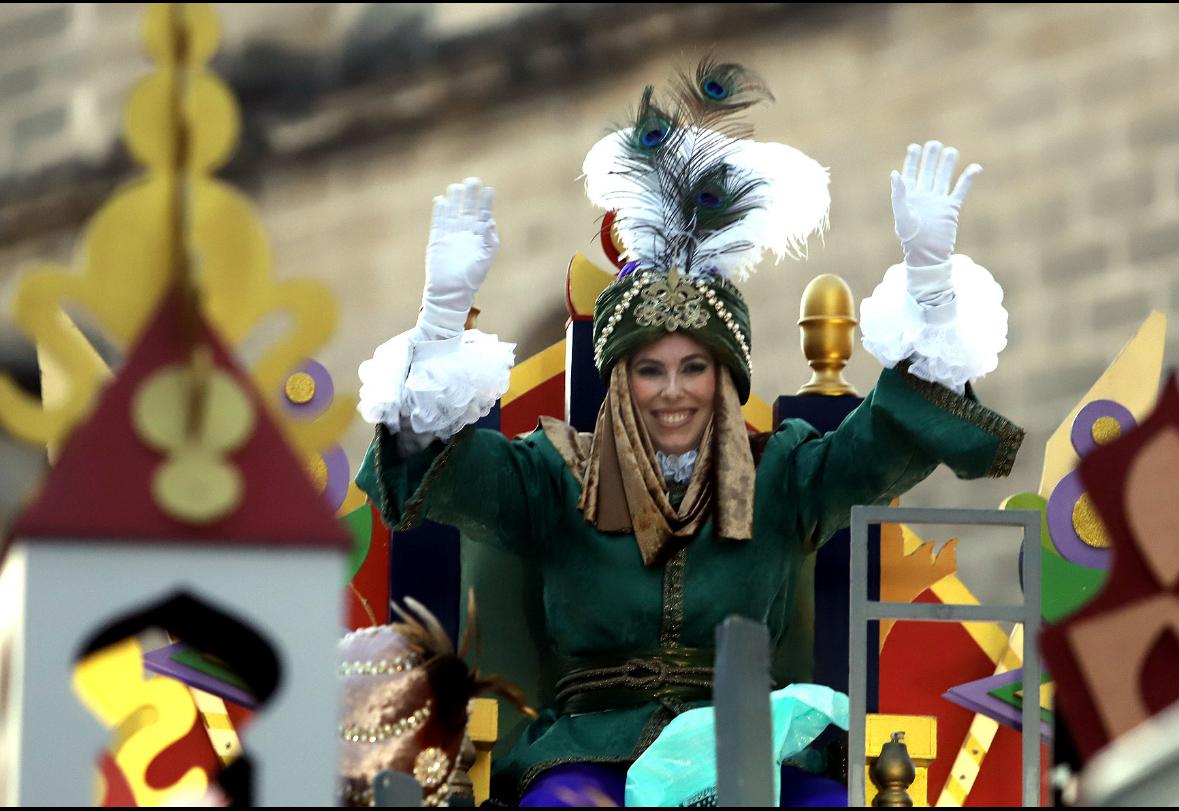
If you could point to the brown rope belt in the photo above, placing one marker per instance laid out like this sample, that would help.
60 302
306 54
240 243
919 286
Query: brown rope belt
677 675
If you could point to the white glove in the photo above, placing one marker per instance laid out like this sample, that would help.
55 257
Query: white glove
463 241
926 215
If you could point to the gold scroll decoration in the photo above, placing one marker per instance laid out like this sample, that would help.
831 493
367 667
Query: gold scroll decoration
122 266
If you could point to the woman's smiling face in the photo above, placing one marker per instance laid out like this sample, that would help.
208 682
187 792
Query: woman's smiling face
673 384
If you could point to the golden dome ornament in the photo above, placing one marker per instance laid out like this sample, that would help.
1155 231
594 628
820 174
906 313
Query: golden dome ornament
827 323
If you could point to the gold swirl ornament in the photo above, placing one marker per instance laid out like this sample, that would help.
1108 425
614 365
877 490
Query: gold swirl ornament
123 265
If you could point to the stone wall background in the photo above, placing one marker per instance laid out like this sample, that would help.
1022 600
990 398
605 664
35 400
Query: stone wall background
357 114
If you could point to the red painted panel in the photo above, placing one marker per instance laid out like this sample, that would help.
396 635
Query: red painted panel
546 400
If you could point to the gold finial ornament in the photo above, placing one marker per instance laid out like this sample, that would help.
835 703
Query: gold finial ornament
892 774
827 322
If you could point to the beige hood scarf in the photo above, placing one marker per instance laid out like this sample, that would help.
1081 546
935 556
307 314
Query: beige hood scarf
623 489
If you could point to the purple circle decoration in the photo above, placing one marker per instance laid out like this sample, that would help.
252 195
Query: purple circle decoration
1082 430
337 476
1064 534
320 400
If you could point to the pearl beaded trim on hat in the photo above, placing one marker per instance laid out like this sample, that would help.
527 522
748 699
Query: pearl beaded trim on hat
647 278
382 732
379 668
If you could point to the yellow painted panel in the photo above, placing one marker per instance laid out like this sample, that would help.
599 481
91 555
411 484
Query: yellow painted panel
1132 380
480 775
482 729
920 734
530 373
483 724
758 413
586 281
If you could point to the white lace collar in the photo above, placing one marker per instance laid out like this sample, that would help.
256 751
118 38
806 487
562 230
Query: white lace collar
678 467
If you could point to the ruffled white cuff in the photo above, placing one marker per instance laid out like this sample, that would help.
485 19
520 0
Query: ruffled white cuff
427 390
950 344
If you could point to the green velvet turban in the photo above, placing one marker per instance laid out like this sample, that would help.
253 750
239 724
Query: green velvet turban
645 305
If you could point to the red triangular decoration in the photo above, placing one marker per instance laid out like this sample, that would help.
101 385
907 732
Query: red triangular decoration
100 487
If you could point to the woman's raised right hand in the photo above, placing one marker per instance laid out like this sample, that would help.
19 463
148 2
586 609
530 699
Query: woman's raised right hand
463 243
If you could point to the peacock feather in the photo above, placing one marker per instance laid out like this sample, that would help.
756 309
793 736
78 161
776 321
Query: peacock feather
691 192
716 92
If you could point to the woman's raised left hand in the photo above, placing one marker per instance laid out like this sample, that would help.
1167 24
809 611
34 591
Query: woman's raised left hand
924 208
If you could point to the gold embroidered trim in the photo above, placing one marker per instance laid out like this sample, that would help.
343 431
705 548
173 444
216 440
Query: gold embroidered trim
1009 434
382 491
730 323
667 711
411 516
646 674
672 304
615 317
673 599
651 730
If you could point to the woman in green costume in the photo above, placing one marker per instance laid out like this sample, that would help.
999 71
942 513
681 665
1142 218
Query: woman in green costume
670 516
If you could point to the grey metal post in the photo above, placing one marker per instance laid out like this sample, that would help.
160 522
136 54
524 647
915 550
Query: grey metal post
396 790
1031 657
862 610
744 728
857 662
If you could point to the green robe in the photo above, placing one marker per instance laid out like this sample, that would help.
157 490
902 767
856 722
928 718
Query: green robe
598 597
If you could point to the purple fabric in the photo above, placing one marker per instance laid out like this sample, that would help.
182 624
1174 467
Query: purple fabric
803 790
577 784
586 784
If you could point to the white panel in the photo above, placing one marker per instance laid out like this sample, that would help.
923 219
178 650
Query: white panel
12 617
292 597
